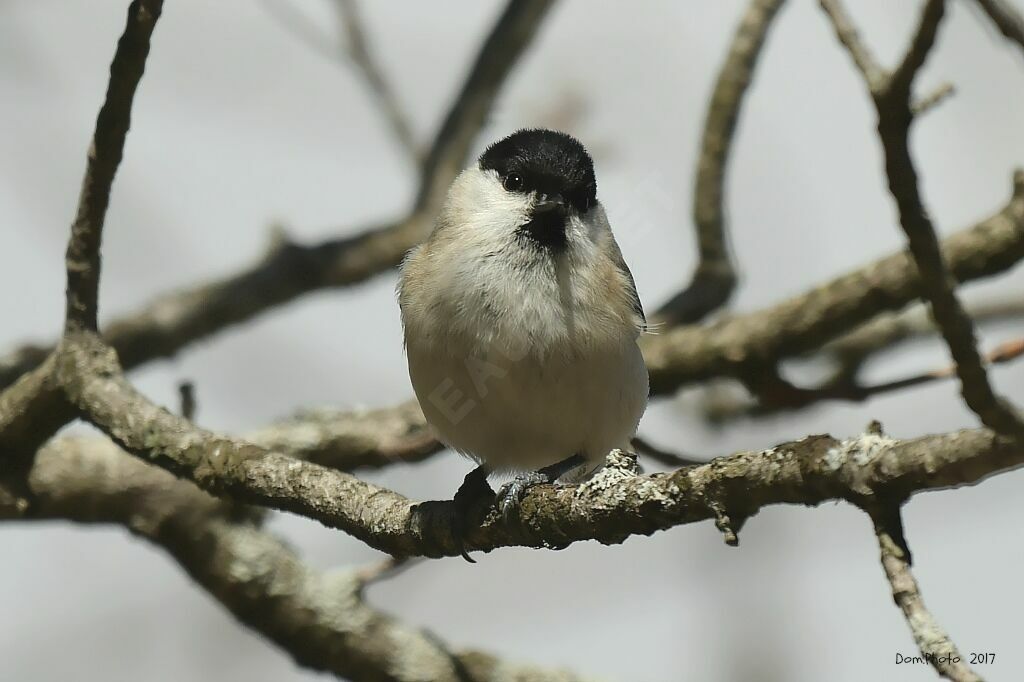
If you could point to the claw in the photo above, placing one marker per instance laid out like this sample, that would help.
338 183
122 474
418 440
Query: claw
511 495
473 491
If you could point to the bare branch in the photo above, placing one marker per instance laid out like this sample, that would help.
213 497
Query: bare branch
358 50
882 334
663 456
848 35
936 646
876 78
892 102
746 344
508 40
896 87
1006 18
888 331
83 256
287 272
349 440
933 99
608 508
33 408
372 439
389 567
301 27
321 619
714 279
355 51
779 395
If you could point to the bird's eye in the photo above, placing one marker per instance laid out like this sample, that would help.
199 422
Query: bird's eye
512 182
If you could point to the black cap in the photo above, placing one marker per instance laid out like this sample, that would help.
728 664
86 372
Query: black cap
546 161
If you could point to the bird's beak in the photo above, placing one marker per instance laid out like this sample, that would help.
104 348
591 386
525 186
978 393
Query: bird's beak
549 202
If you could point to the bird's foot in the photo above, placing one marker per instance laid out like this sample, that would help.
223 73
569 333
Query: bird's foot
510 495
471 502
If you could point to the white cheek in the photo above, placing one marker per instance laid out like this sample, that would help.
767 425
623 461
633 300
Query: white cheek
496 213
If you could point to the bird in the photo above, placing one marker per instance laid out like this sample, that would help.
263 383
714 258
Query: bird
521 320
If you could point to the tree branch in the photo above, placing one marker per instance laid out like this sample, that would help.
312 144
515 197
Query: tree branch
348 440
321 619
714 278
608 508
936 646
358 51
777 395
83 255
33 409
850 38
376 438
1006 18
892 98
508 40
746 344
889 331
897 85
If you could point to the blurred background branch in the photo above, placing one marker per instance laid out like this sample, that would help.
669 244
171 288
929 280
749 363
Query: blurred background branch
714 278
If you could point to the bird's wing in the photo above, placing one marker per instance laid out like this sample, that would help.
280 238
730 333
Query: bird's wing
634 297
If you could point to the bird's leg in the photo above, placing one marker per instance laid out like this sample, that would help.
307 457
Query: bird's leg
511 494
471 494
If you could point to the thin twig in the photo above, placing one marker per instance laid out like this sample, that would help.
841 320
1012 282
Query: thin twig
714 278
935 645
385 569
933 99
508 40
1007 19
187 397
355 51
301 27
780 395
897 85
848 35
663 456
358 50
889 331
83 255
875 76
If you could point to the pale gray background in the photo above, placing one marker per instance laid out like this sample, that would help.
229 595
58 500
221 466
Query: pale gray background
238 125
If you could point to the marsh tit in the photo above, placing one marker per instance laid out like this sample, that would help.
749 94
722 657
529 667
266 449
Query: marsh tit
521 319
